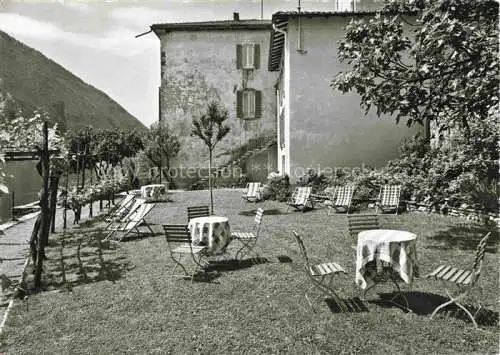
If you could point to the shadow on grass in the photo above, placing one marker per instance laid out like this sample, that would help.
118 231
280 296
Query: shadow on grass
270 212
233 264
139 236
284 259
353 305
466 237
81 257
207 276
423 303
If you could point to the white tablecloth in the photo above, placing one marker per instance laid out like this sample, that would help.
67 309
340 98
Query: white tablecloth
155 192
212 231
395 247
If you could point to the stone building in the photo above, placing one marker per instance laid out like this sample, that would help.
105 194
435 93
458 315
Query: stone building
274 79
224 61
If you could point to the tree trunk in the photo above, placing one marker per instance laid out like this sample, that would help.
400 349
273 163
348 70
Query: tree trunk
167 167
210 182
83 166
91 201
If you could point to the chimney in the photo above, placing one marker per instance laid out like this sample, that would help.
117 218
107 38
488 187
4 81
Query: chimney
236 16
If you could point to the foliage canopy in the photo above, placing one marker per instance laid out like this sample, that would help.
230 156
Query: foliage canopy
425 59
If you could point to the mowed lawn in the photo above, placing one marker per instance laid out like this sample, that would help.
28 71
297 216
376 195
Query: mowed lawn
121 300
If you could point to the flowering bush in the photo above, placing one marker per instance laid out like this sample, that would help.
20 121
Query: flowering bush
318 182
461 169
103 189
277 187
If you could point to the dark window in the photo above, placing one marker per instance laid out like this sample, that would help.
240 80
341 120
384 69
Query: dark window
249 104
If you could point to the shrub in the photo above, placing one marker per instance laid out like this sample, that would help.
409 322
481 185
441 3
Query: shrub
318 182
277 187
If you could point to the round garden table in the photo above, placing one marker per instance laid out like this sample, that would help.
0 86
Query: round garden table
212 231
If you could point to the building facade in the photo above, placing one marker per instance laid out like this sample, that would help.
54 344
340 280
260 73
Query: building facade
224 61
318 127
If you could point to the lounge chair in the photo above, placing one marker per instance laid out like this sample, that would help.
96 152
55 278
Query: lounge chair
342 201
121 210
132 223
252 194
300 198
389 198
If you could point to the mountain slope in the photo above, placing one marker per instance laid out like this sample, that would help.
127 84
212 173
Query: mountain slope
35 81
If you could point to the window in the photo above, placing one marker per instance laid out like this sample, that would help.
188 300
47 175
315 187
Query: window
248 104
163 58
248 56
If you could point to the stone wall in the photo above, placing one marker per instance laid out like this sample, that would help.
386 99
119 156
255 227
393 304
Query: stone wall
199 66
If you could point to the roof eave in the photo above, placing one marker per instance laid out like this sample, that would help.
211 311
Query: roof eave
254 25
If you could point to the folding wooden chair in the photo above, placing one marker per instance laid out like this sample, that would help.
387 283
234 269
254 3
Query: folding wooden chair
249 239
464 280
300 198
133 222
360 222
321 275
180 244
389 198
252 194
343 199
197 211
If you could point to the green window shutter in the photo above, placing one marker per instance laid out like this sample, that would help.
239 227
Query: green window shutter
239 104
256 53
258 104
239 64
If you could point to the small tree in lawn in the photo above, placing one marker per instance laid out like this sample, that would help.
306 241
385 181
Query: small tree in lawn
210 129
161 143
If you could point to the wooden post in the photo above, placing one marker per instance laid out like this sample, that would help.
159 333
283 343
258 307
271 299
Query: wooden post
13 205
91 201
65 212
83 165
45 222
54 185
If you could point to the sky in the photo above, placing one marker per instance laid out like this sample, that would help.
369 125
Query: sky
95 39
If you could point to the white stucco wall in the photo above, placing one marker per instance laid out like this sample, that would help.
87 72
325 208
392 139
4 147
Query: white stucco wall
327 128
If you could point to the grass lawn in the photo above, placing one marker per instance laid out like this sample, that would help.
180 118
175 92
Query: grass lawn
103 300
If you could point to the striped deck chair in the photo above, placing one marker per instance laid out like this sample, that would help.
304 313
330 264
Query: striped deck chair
114 223
343 199
464 280
389 198
132 223
252 194
321 275
122 208
300 198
